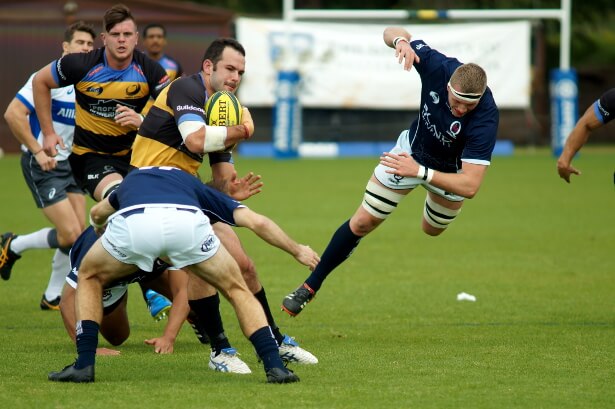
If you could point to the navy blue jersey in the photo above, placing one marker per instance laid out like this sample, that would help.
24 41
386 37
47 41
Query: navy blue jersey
86 240
438 139
99 89
172 186
604 108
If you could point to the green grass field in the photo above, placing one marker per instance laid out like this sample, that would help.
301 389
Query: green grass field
537 253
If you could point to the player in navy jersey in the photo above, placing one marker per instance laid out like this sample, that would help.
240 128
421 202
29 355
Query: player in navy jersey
446 150
598 114
50 179
174 211
115 326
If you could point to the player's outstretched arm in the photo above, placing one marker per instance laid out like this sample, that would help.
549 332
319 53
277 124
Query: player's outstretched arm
577 138
273 234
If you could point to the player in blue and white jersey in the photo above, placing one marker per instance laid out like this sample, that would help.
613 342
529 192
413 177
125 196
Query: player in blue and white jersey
447 150
167 213
50 179
601 112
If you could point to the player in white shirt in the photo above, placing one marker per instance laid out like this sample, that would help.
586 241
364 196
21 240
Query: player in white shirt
50 179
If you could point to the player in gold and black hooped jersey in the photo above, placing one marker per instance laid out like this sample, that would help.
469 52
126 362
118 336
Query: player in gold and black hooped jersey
112 86
176 133
163 140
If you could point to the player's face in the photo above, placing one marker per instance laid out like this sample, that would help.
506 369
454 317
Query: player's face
82 42
227 73
154 42
121 40
458 107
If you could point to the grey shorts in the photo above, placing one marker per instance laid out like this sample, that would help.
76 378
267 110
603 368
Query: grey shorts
48 187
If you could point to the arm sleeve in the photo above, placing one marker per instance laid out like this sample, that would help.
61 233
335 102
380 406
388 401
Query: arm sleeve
605 106
71 68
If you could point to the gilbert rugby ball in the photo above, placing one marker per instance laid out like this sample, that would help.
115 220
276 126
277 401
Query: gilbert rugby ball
223 109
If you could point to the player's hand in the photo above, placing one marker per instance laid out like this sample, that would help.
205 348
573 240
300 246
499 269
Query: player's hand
51 142
565 170
45 161
404 53
400 164
247 186
125 116
106 351
161 345
307 257
246 120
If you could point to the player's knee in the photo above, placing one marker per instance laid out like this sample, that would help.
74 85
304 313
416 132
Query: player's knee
379 201
68 237
436 218
362 225
246 265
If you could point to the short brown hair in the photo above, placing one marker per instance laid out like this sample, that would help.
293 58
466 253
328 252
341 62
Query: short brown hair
79 26
116 15
215 49
470 78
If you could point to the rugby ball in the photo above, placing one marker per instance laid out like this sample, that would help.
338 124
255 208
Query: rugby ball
223 109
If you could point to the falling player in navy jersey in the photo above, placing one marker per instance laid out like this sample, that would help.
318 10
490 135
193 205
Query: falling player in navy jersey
598 114
446 150
167 213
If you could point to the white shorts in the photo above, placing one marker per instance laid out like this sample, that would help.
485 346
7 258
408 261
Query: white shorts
400 182
138 236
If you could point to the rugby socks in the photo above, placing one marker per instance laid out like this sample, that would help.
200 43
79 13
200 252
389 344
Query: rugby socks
262 299
266 348
341 246
87 342
41 239
60 267
208 317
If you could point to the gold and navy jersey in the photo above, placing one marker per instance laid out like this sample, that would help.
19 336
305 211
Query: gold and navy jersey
159 142
99 89
171 66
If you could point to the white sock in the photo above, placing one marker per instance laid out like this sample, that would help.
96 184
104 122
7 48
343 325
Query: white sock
60 267
36 240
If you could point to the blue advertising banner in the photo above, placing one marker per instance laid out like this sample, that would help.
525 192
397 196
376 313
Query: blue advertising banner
287 127
564 107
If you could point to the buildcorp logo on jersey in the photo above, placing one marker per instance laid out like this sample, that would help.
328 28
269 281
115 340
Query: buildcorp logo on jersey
189 108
